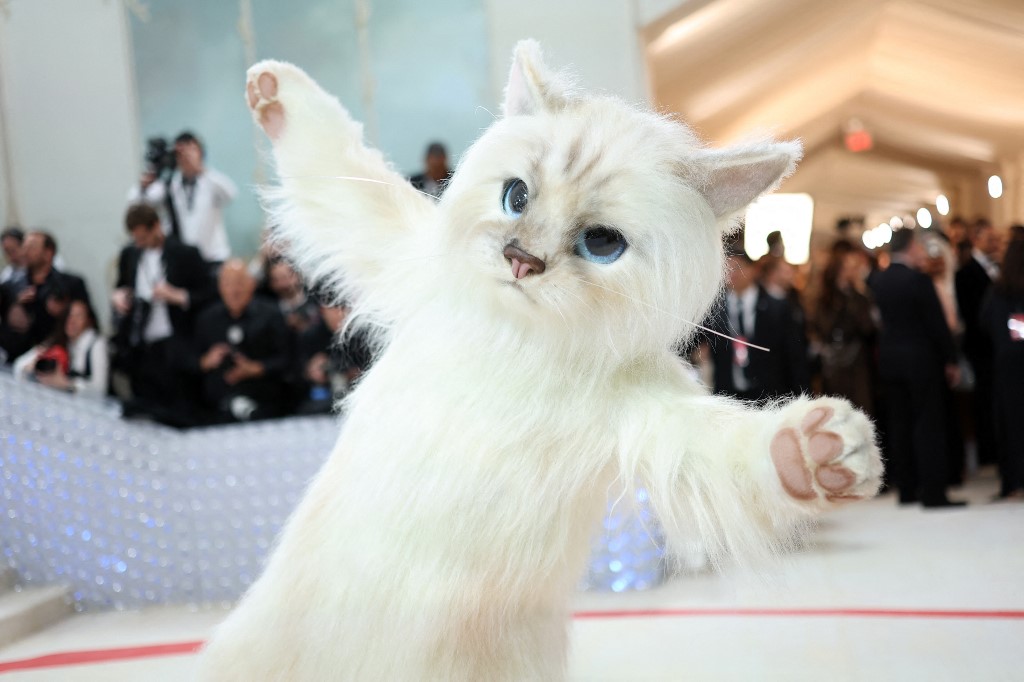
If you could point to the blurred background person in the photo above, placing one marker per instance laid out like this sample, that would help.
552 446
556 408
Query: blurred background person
300 311
12 240
754 316
973 282
436 173
844 325
917 357
330 364
1003 322
75 359
33 303
959 240
940 265
243 351
198 197
161 286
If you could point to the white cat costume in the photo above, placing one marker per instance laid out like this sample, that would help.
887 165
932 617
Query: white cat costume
528 370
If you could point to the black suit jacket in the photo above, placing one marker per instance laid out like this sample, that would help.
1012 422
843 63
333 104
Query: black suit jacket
915 341
972 285
184 268
41 323
781 371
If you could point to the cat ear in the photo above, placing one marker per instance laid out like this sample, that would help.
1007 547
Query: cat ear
734 177
532 87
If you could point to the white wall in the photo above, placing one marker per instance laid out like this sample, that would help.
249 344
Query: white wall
597 41
71 134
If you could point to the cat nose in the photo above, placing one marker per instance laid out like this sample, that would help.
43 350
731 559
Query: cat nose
522 263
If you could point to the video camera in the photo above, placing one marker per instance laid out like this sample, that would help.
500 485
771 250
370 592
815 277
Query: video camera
160 157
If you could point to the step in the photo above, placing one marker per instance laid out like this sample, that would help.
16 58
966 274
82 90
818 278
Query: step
31 610
8 579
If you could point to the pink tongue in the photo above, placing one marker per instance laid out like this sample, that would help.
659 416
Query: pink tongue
519 269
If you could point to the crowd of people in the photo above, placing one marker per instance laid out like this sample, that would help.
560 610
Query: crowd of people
198 337
928 339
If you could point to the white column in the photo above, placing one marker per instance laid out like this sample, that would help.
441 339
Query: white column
71 129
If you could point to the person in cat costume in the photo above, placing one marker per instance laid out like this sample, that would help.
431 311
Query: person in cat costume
528 368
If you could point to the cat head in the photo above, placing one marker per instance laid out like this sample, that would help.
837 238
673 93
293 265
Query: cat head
582 215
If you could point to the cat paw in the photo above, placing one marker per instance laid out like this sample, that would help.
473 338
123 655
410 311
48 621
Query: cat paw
827 452
265 83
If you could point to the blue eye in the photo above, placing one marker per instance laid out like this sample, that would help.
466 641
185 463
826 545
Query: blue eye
600 245
514 200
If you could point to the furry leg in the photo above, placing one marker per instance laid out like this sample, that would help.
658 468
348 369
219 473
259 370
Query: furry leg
341 212
745 480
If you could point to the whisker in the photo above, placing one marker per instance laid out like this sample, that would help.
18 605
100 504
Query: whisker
430 255
488 111
676 317
352 177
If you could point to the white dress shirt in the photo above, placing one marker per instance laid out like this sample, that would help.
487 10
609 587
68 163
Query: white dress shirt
990 266
201 215
745 304
150 273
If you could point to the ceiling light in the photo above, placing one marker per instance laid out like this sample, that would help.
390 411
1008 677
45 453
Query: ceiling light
924 217
995 187
942 204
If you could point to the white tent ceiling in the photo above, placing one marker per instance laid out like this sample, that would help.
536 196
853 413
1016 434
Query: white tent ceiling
939 84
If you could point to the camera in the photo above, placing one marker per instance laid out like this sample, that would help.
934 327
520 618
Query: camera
46 365
160 157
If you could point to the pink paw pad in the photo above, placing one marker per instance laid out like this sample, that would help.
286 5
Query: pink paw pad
260 94
797 474
789 463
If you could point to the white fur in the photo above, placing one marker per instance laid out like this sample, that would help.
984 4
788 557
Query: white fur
445 534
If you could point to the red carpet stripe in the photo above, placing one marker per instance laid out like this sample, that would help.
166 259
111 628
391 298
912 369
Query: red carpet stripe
127 653
833 613
100 656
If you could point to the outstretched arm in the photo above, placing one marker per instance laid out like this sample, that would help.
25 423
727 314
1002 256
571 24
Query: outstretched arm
742 479
342 214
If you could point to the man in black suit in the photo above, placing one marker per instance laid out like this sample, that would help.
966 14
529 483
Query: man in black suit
32 304
161 286
973 282
243 351
916 355
750 314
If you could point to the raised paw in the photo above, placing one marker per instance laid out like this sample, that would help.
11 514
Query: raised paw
261 91
826 451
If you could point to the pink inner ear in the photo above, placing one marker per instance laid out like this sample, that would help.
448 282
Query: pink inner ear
736 177
520 98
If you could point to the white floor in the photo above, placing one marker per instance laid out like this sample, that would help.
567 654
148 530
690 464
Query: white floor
870 556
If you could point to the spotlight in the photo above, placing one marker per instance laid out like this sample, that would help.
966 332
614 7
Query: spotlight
869 239
942 204
895 222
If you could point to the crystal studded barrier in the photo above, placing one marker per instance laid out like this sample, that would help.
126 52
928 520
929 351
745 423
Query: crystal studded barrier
131 514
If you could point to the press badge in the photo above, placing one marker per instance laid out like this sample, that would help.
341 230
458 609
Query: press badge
741 353
1016 325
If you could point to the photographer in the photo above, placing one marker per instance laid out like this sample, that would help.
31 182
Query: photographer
198 195
242 344
74 359
161 285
